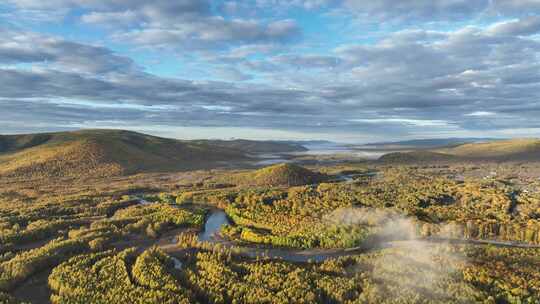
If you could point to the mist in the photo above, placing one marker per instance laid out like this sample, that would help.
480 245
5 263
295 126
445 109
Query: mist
398 257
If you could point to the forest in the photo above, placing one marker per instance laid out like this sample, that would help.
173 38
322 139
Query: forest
400 234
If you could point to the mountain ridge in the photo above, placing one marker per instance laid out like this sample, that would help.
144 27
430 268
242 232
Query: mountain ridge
102 152
527 149
431 142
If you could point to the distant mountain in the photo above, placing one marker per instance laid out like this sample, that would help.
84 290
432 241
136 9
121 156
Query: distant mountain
499 150
427 143
515 149
255 146
308 142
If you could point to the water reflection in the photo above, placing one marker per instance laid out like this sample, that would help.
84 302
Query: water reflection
177 263
213 225
218 218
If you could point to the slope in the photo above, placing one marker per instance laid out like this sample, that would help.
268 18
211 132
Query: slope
104 153
283 175
515 149
499 150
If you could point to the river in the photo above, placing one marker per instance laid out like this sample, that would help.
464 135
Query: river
218 218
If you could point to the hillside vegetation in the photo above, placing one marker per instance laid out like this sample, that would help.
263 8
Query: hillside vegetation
415 156
519 149
501 150
81 241
101 153
282 175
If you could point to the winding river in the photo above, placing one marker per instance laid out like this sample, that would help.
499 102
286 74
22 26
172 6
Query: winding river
218 218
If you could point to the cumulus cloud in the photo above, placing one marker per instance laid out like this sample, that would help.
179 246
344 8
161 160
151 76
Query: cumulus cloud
418 9
526 26
515 7
184 24
392 83
212 33
29 47
280 6
308 61
270 70
440 10
113 19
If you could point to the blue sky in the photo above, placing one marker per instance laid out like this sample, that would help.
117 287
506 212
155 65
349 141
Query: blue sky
344 70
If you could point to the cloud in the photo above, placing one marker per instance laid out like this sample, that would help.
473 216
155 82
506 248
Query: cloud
193 33
404 121
481 114
257 64
113 19
213 33
418 9
157 8
404 83
308 61
279 6
526 26
180 25
27 47
439 10
231 74
515 7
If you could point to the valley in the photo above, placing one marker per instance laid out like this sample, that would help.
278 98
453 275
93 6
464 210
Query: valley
269 152
349 231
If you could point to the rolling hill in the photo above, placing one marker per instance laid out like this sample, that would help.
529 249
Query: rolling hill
415 157
500 150
433 143
105 153
516 149
282 175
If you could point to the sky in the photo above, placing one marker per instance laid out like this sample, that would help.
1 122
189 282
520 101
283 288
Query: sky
341 70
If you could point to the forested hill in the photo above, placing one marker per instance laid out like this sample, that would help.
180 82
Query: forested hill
106 153
500 150
427 143
515 149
